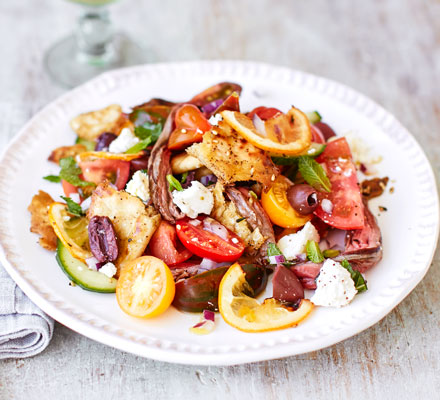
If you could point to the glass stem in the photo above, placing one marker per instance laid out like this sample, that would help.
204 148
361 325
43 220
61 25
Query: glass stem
94 36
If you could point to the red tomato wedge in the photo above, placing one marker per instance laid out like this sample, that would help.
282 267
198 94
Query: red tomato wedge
317 136
347 212
101 169
198 237
68 188
164 245
191 124
264 113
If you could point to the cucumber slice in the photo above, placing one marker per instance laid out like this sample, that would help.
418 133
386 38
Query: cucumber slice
313 116
79 273
90 146
314 150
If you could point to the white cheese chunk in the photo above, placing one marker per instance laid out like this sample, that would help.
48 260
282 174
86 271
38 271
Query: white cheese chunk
334 286
139 186
108 269
195 200
123 142
295 243
215 119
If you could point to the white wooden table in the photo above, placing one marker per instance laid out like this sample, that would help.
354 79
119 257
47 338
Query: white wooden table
388 49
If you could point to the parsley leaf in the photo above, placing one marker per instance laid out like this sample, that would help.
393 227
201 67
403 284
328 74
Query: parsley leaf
273 250
174 183
314 253
73 207
314 174
148 130
52 178
359 282
70 172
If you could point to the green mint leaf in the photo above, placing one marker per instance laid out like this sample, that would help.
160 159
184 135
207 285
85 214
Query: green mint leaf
148 130
314 174
52 178
273 250
314 253
359 282
70 172
330 253
73 207
174 183
143 144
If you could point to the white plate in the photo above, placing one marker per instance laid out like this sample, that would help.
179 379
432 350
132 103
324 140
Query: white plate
409 227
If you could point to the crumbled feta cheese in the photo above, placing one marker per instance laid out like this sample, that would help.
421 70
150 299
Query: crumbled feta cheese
75 197
327 206
108 269
360 151
215 119
334 286
86 204
195 200
295 243
123 142
139 186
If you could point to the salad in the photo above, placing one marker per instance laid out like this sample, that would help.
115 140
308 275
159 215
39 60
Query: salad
197 205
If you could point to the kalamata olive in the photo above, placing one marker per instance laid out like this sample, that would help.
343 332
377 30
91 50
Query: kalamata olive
102 239
139 163
104 140
325 129
286 286
302 198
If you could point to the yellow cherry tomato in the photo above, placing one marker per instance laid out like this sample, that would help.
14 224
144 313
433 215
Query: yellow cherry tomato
145 287
278 208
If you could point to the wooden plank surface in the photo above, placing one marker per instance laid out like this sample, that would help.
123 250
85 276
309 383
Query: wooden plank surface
388 49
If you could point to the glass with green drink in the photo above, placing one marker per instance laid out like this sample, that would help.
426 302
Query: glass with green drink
93 48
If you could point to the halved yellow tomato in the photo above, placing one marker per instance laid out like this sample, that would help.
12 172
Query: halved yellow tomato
145 287
71 230
248 314
278 208
287 134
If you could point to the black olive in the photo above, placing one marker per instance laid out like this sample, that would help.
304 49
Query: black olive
303 198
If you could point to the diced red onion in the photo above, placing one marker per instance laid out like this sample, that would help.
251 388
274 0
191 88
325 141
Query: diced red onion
195 222
279 259
211 225
301 256
209 315
208 179
363 168
208 264
336 239
212 106
259 124
189 178
327 206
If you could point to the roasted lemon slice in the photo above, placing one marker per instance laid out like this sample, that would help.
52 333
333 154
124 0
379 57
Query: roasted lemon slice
287 134
94 155
247 314
71 230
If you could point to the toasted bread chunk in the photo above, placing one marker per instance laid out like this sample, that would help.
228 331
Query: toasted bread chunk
66 151
40 224
134 223
232 158
90 125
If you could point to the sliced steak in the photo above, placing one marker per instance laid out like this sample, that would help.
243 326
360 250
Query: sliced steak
158 169
307 272
251 209
363 247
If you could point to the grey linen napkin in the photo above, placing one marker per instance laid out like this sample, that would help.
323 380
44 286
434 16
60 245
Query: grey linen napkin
25 330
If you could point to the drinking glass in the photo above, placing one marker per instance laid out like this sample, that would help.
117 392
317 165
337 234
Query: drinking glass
92 48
